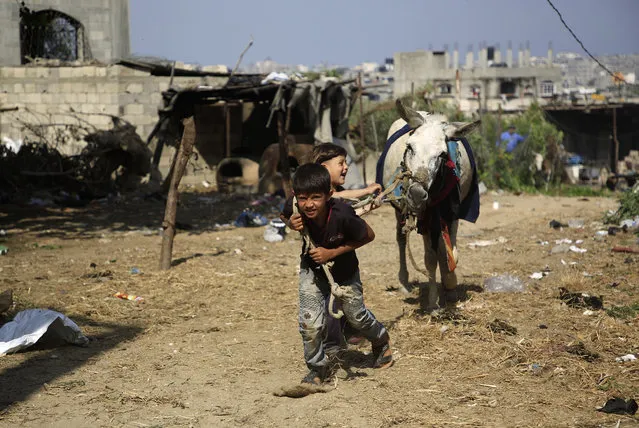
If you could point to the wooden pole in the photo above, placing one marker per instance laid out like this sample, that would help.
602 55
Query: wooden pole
379 149
283 137
615 141
362 139
170 212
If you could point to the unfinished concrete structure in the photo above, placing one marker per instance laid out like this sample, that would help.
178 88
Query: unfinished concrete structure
484 80
64 29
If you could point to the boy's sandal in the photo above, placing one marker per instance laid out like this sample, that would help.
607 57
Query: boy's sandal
383 356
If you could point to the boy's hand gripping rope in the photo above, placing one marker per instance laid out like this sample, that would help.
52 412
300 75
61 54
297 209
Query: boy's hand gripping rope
336 289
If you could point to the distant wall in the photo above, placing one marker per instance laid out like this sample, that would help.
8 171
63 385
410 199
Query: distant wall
106 24
425 68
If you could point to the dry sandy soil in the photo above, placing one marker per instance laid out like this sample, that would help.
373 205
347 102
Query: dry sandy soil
217 335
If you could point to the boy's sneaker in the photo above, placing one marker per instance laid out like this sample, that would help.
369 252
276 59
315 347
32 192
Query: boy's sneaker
382 356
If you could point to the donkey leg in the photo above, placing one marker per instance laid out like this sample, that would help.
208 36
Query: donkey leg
428 296
449 279
401 244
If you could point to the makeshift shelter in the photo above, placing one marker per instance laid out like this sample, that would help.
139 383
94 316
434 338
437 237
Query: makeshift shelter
251 112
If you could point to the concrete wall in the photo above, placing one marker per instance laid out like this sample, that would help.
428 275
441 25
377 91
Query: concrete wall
50 98
106 25
424 68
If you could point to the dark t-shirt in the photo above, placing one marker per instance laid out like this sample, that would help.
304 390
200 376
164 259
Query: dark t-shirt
342 226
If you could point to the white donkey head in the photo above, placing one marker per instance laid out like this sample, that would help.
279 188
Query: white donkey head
426 149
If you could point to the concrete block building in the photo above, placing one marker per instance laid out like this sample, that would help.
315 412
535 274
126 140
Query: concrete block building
69 30
484 80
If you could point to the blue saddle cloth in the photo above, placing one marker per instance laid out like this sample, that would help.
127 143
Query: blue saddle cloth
379 173
469 207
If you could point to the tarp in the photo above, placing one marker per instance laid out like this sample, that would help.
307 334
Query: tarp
30 325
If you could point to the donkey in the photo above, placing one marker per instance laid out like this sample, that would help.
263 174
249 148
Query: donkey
421 147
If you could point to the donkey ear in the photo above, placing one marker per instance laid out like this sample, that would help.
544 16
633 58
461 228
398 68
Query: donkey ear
461 129
412 117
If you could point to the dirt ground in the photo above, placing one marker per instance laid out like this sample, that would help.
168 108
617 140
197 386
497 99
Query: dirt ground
217 335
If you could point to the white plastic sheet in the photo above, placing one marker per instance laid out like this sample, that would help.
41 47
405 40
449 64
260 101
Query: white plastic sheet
30 325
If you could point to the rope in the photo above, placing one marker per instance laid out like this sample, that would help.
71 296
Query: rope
408 228
336 289
372 202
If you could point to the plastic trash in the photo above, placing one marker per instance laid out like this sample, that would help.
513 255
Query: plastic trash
3 250
556 225
250 219
626 358
576 224
275 231
576 249
30 325
536 275
131 297
505 283
630 223
271 234
495 205
135 271
619 406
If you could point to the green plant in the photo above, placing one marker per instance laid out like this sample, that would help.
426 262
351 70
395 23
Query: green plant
624 312
628 207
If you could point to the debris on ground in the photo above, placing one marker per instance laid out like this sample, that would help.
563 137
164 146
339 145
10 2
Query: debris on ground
3 250
102 275
31 325
301 390
626 358
249 218
275 231
580 350
557 225
226 226
501 326
131 297
135 271
576 249
632 250
576 224
580 300
487 243
505 283
619 406
6 300
113 160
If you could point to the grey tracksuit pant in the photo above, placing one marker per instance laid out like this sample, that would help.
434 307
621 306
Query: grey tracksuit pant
314 290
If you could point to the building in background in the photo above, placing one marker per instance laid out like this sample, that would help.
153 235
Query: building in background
487 79
59 29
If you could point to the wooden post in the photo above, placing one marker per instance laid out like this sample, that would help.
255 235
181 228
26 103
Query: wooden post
615 141
170 213
227 128
379 149
283 137
362 139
